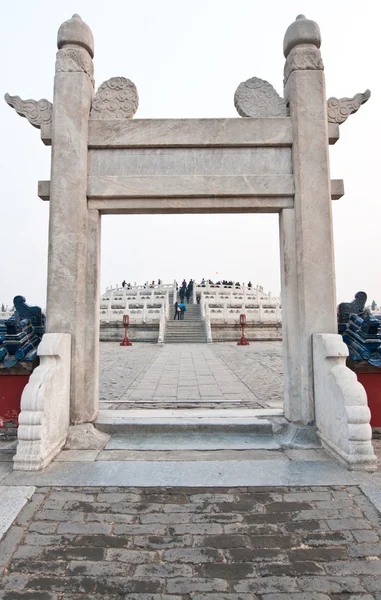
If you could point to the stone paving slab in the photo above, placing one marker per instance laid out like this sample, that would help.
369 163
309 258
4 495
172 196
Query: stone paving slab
5 467
12 500
180 473
308 543
216 375
192 455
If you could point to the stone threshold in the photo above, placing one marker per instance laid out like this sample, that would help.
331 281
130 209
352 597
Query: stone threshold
194 473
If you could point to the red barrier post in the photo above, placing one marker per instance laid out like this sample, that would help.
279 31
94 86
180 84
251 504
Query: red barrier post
126 322
243 341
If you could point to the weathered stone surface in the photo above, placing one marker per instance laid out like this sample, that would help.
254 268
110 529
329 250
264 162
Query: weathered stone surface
91 392
77 32
342 413
140 162
311 307
116 98
178 205
248 378
37 112
85 437
67 260
182 133
71 555
301 47
12 500
75 60
301 31
338 110
258 98
190 185
45 405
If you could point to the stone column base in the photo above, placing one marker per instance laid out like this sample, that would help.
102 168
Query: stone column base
85 437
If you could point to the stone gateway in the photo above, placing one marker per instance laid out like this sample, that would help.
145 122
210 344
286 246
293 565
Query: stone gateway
274 159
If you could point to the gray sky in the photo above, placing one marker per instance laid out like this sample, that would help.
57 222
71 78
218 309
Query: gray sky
186 59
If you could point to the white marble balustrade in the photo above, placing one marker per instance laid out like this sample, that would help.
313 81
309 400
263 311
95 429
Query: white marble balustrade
227 303
143 304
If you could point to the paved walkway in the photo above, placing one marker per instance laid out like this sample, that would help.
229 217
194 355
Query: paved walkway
188 375
320 543
119 524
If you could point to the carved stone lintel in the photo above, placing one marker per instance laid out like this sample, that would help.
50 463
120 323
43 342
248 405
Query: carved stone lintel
116 98
74 59
339 109
258 98
303 58
38 112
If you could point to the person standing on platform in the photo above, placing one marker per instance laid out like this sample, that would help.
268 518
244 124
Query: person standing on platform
182 294
182 308
189 292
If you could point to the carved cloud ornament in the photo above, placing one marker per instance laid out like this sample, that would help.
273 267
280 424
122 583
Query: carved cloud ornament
75 60
116 98
340 109
257 98
38 112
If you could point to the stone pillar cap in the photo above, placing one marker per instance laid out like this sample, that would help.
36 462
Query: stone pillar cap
301 31
77 32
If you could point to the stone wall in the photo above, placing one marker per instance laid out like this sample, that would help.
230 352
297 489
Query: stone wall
221 332
114 332
230 332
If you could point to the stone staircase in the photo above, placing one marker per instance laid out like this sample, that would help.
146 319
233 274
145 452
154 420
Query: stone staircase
189 331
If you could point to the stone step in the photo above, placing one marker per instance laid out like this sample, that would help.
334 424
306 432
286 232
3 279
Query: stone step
148 424
198 340
184 336
186 341
188 317
186 431
185 325
190 325
189 336
191 440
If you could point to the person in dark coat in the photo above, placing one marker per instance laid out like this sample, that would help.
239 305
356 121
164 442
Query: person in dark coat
182 294
189 292
177 311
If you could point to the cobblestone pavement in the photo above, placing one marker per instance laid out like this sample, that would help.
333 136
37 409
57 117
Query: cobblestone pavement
186 375
319 543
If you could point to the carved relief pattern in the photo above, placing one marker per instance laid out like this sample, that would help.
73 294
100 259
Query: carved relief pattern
342 413
116 98
37 112
74 60
303 59
258 98
45 405
340 109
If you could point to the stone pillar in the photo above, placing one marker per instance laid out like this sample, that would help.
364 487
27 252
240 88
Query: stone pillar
293 405
311 265
67 263
90 405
